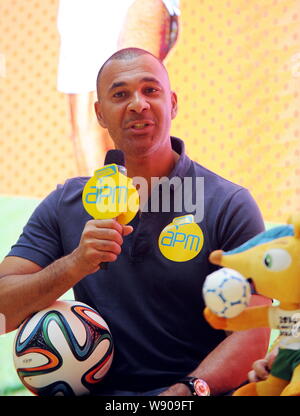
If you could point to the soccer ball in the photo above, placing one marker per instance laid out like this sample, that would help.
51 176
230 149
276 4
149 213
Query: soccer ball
64 350
226 292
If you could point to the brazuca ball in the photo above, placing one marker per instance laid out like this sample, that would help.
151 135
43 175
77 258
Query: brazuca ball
65 349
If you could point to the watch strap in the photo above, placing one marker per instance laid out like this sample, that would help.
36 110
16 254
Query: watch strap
197 386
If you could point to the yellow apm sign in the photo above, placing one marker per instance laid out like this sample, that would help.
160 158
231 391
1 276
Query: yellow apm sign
182 240
110 194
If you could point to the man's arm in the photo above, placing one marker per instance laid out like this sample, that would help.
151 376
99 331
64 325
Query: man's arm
227 366
25 287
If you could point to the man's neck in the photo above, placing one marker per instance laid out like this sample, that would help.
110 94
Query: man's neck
153 166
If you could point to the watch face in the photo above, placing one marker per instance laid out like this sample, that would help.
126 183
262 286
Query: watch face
201 388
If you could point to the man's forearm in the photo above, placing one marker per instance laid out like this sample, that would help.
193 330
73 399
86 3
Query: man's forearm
22 295
227 366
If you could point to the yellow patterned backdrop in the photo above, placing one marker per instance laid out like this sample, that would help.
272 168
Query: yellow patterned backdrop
236 69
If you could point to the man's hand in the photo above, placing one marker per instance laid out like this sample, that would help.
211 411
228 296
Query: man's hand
214 320
101 241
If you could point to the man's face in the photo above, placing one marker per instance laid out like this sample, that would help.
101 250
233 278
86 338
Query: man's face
136 105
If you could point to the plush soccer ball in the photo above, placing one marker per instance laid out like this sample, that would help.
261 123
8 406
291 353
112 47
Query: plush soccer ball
65 349
226 292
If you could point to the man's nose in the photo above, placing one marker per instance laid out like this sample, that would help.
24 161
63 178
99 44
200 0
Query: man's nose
138 103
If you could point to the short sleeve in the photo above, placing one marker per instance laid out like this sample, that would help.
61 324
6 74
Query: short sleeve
40 240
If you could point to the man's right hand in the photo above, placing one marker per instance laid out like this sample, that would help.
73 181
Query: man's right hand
101 241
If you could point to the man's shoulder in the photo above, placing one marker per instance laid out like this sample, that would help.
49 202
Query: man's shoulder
72 186
67 192
214 179
77 181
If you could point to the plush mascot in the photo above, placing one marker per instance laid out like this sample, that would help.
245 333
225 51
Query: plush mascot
272 261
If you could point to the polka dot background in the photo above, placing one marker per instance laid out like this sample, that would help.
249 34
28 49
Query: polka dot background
235 68
237 72
36 152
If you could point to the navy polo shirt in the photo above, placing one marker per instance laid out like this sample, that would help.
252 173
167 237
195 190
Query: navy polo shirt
153 305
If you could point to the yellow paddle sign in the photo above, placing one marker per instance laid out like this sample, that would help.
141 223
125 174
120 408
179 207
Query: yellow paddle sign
110 194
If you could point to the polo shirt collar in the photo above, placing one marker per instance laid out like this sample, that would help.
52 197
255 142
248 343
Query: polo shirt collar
184 162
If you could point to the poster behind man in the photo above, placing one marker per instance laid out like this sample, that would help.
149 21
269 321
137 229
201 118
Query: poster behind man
235 68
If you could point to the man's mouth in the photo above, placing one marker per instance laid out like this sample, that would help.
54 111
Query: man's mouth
140 124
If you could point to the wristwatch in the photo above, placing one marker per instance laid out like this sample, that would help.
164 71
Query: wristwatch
197 386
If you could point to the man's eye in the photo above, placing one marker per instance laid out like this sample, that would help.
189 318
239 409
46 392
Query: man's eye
150 90
119 94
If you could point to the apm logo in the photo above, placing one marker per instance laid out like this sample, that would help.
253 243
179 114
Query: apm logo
116 195
182 240
106 188
110 194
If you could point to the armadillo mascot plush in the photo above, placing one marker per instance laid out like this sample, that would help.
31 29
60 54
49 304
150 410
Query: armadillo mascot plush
272 261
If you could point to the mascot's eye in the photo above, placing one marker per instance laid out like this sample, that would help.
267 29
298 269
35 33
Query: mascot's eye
268 260
277 259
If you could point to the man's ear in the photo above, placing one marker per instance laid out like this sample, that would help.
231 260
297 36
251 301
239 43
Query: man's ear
174 104
98 112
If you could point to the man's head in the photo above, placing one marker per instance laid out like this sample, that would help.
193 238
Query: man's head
126 54
135 102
